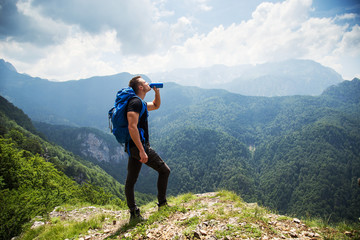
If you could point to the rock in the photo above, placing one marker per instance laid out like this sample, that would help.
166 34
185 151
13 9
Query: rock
211 238
316 235
293 234
37 224
196 235
295 220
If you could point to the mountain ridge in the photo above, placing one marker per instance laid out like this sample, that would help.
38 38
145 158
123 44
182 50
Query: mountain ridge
212 216
286 78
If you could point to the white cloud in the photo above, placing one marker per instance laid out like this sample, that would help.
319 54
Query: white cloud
350 43
346 16
198 5
203 5
87 38
276 32
180 29
79 56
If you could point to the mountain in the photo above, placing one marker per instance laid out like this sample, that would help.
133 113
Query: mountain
303 150
79 103
6 66
76 103
36 176
295 154
267 149
214 215
291 77
91 144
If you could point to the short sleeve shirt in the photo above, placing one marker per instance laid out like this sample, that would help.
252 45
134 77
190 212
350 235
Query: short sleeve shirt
135 105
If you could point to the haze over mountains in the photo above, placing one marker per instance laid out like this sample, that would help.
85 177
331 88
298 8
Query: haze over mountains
291 77
39 97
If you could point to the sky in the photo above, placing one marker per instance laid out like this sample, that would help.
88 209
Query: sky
75 39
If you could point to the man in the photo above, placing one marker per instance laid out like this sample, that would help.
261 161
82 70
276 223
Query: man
140 151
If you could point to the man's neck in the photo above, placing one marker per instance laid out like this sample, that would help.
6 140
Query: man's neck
141 95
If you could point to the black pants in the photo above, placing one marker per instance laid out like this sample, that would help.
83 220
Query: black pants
134 167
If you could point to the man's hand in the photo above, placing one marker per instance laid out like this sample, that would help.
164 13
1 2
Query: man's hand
156 90
143 157
155 104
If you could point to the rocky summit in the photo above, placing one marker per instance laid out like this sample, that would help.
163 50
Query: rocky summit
216 215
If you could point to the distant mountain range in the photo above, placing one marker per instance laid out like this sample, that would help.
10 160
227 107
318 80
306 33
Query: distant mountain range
77 103
291 77
67 102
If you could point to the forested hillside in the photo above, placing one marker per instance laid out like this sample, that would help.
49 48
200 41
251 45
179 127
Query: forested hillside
91 144
303 151
36 176
295 154
319 163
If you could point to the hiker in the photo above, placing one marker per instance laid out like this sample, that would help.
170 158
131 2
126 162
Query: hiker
142 153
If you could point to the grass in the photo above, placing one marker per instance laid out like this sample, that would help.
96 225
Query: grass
190 225
230 196
64 229
336 231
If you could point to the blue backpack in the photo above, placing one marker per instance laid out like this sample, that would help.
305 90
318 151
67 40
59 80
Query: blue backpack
118 123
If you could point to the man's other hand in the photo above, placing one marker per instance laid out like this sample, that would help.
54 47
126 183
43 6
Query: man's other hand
143 157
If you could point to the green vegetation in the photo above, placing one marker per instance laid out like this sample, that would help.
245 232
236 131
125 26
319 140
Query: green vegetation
36 176
64 229
297 155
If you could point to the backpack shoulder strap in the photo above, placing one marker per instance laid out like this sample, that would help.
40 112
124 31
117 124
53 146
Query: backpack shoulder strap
143 109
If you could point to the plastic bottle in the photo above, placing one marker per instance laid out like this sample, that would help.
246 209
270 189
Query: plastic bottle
157 85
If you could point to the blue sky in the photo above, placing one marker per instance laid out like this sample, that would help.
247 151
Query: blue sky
73 39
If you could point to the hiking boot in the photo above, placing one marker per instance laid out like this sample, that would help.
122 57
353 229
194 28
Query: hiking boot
163 205
135 216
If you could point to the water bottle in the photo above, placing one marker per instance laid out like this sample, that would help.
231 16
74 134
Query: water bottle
157 85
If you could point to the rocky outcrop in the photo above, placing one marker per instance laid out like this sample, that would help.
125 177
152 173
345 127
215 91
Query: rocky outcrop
95 147
208 216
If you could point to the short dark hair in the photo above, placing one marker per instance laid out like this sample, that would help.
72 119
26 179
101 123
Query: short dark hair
134 83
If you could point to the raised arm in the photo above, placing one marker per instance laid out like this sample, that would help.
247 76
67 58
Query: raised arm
155 104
